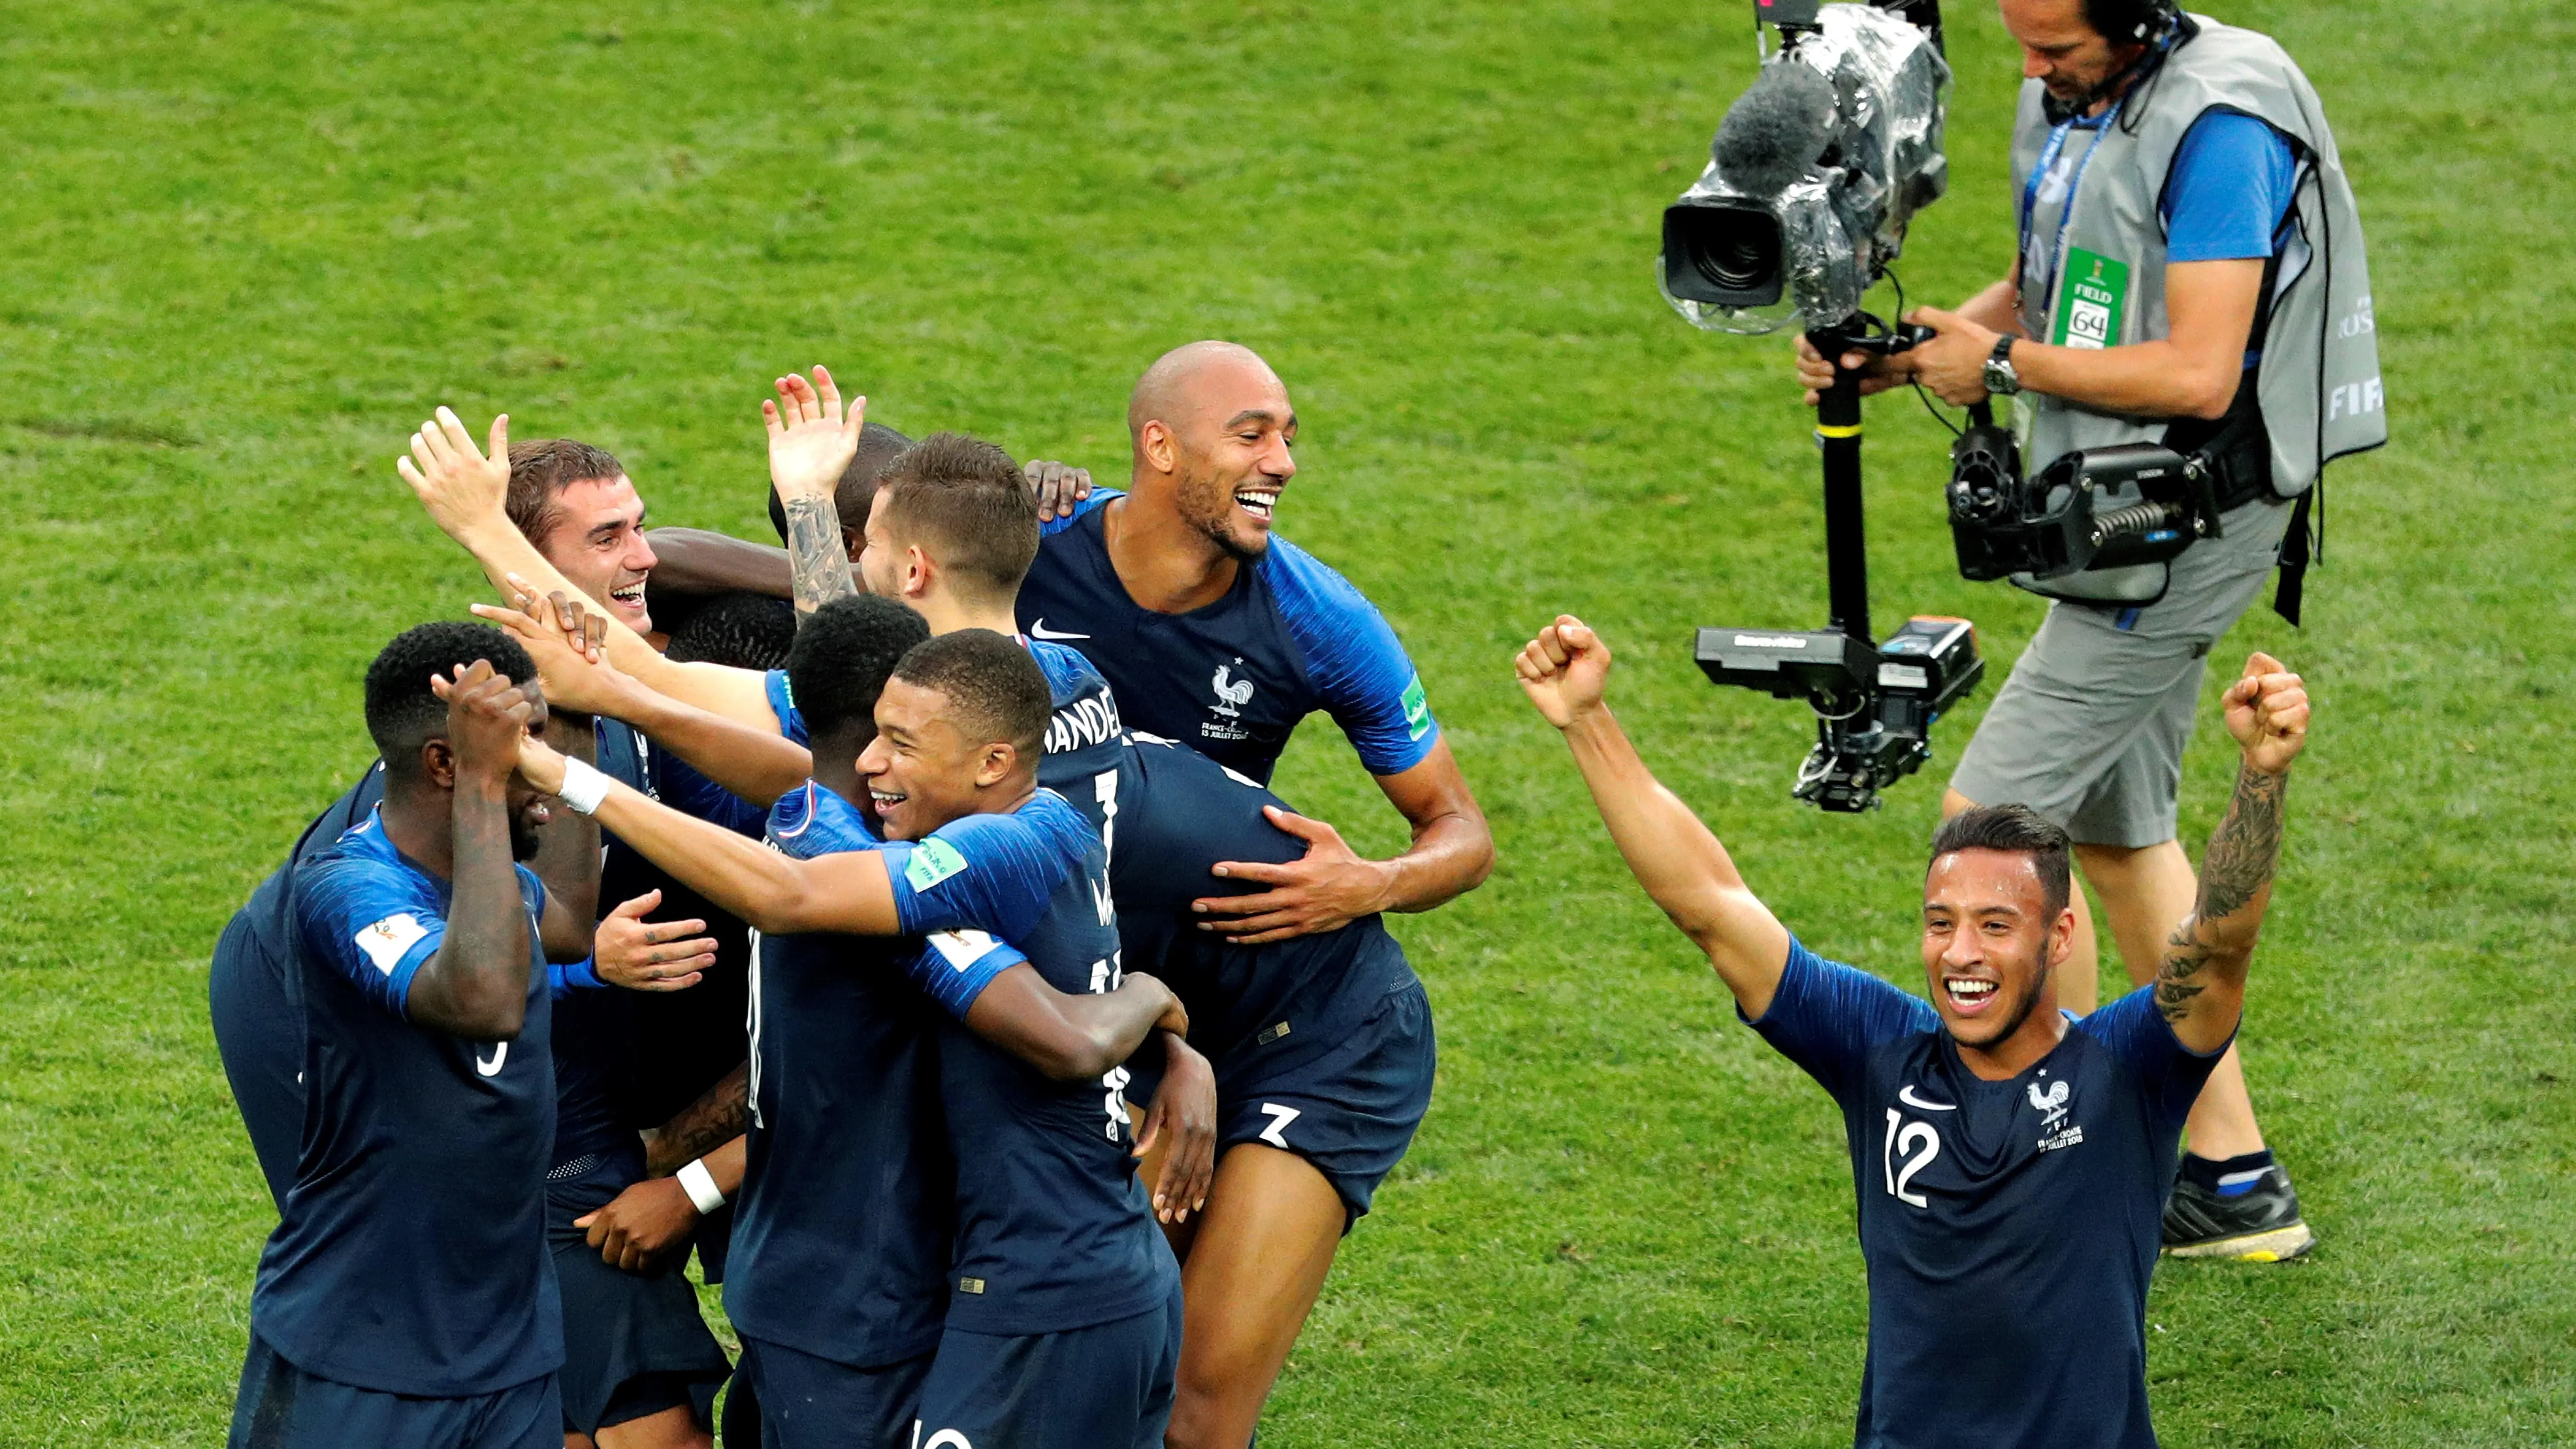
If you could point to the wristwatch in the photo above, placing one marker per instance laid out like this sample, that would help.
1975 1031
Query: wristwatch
2000 378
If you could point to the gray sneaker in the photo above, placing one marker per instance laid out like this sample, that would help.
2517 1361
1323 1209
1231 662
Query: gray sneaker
2259 1225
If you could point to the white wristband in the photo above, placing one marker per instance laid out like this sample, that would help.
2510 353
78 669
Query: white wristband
700 1185
583 789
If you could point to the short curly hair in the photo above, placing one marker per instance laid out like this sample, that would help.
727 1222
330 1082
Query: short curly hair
991 683
403 713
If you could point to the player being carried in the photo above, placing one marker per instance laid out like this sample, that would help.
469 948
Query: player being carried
2011 1161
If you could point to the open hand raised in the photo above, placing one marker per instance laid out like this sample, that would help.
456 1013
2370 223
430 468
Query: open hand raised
461 486
810 441
2267 712
564 639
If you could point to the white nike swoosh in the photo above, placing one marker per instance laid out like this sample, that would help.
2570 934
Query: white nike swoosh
1039 630
1906 1095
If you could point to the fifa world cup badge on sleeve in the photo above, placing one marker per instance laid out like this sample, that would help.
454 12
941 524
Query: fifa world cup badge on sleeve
933 861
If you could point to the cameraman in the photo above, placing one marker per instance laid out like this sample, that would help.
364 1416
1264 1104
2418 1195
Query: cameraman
2191 274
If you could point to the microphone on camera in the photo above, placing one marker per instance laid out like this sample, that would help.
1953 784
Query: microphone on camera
1775 130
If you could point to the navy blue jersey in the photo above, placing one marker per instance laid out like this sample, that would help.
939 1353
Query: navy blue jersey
1234 678
410 1254
1176 814
2010 1227
256 994
843 1228
1082 732
1053 1231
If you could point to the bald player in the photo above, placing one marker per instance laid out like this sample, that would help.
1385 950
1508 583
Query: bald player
1217 634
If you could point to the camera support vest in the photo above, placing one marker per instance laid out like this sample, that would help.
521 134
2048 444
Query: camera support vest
2093 270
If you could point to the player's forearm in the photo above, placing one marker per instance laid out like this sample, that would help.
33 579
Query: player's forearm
721 1114
1066 1037
771 892
476 984
2200 983
1679 861
818 561
699 561
1452 853
758 765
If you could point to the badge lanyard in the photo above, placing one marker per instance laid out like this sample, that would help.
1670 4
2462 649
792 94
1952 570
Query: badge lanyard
2065 217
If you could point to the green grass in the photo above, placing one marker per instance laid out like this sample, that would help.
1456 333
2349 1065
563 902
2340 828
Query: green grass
250 245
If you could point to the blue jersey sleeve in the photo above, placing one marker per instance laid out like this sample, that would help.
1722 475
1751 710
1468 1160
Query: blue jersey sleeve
1352 656
782 702
1826 1017
954 967
693 794
2137 1035
373 921
563 979
2229 190
1099 499
990 873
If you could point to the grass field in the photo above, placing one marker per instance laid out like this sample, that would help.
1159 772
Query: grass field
250 245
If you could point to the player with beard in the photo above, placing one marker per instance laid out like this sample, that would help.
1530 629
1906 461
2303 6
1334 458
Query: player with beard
406 1296
2011 1160
1064 1316
1216 633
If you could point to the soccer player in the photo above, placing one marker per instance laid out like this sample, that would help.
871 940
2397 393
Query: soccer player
2011 1160
406 1296
641 1367
1064 1317
1215 633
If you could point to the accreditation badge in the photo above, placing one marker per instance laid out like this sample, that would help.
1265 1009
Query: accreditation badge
2091 301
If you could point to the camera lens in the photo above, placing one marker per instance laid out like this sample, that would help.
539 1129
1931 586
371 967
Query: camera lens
1726 255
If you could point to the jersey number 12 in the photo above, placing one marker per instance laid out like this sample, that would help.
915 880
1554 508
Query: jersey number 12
1903 1140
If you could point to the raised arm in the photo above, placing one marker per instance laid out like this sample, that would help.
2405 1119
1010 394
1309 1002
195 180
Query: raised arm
811 443
700 561
772 893
463 490
2200 985
475 985
1675 857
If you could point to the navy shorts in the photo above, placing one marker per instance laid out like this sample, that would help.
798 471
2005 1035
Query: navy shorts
1348 1102
635 1344
808 1402
281 1406
1108 1386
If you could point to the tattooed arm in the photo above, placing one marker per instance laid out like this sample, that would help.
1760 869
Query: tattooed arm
810 443
716 1118
2200 987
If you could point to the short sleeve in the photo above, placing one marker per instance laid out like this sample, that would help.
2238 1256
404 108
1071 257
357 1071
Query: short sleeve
2140 1039
1353 658
2228 190
1826 1017
782 703
374 924
954 967
1099 499
990 873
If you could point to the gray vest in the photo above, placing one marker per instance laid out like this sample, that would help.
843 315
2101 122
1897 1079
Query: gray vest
2093 272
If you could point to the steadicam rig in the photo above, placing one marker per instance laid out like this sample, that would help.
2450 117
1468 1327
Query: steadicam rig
1811 181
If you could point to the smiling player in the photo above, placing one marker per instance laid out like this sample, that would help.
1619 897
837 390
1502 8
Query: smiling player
2011 1160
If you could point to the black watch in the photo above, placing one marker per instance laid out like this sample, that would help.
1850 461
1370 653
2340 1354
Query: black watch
2000 378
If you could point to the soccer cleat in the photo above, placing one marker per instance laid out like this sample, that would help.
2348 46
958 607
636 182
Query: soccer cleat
2259 1225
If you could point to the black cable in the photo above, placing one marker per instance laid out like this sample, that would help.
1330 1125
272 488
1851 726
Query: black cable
1955 430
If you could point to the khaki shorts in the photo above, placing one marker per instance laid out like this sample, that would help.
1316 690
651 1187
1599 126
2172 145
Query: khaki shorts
2089 730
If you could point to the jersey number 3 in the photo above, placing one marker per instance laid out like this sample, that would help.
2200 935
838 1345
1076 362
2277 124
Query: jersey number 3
1917 1144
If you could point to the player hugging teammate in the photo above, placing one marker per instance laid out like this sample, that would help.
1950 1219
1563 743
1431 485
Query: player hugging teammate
998 895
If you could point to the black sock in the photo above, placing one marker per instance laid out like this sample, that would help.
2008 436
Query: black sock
2227 1178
